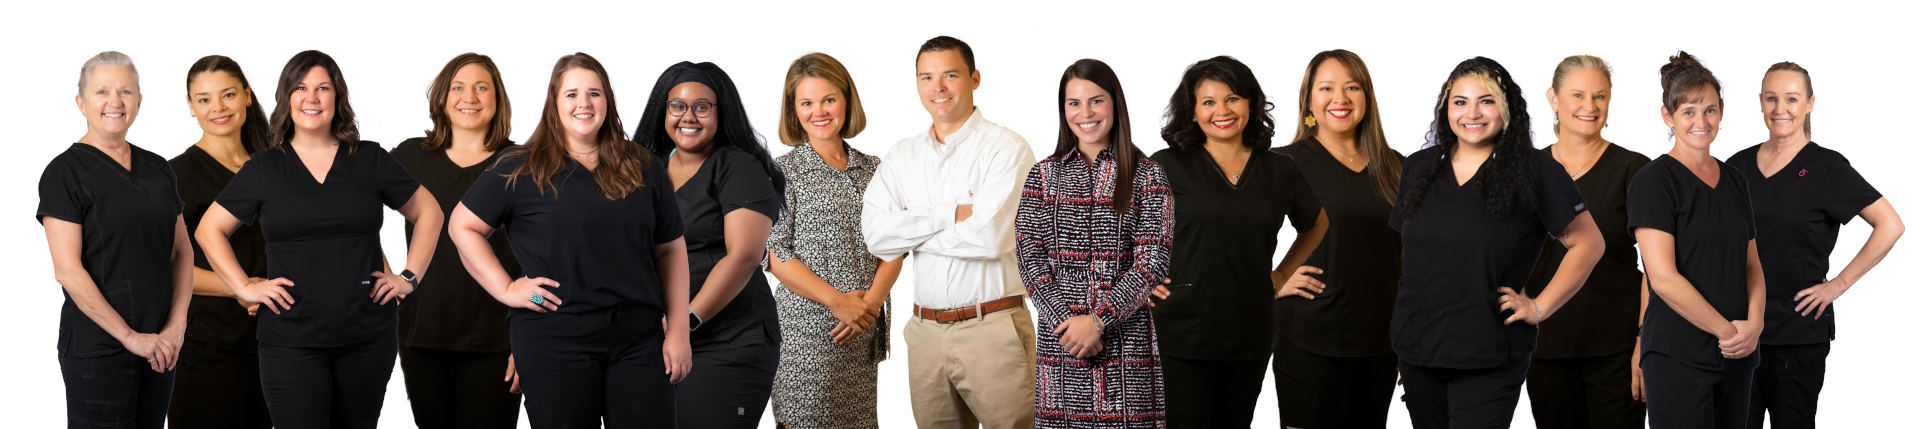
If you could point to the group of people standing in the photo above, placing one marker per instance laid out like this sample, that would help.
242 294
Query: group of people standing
614 279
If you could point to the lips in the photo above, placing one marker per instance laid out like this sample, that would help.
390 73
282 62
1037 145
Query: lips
1339 113
585 116
940 100
113 115
1473 127
823 123
688 130
310 112
468 111
1586 118
1225 123
223 120
1088 126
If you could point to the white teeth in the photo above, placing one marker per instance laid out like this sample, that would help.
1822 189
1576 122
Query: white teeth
1473 126
942 100
1339 112
1088 126
113 115
1224 122
310 112
469 111
822 123
689 130
583 116
1587 118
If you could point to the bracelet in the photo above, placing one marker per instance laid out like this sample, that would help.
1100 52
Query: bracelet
1536 309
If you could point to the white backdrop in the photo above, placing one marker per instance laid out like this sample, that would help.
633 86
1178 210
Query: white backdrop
390 51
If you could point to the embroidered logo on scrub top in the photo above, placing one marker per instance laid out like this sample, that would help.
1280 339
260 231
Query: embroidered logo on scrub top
1803 172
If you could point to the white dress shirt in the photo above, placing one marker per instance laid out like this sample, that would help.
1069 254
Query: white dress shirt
909 208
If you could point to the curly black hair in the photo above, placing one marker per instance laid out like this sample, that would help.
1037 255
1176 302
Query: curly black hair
1508 175
1183 134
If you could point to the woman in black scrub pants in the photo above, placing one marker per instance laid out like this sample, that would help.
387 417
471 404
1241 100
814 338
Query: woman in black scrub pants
218 385
120 254
695 122
1473 210
1582 376
1802 193
327 341
598 319
1231 197
453 337
1692 217
1332 364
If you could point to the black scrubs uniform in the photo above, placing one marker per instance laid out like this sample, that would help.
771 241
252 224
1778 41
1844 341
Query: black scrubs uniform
1581 375
1332 364
218 384
127 219
737 350
1461 364
1689 385
1216 327
453 335
599 355
1798 212
326 361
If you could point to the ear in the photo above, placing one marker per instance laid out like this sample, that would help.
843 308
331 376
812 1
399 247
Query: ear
1809 106
976 79
80 101
1553 102
1666 116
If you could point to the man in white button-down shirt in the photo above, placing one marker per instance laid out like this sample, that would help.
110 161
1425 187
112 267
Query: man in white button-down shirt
948 196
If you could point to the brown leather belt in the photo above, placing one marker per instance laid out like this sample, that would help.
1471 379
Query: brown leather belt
969 312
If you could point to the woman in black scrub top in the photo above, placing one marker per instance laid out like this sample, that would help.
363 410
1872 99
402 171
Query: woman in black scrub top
1332 364
327 341
718 165
1215 319
1802 193
120 254
598 316
218 385
1692 217
1473 209
1583 373
453 336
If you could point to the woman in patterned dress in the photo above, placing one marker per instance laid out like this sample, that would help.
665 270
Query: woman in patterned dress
1095 231
833 292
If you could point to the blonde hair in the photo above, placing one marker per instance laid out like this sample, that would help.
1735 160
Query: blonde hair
1577 62
108 58
1789 66
825 67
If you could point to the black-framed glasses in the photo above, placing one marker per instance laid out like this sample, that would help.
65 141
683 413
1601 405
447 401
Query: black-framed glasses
678 108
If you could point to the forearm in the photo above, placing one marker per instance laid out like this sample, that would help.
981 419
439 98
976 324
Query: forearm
1887 229
219 251
883 280
183 275
1574 270
1756 284
1680 294
427 220
206 283
797 277
477 255
86 295
1302 247
671 260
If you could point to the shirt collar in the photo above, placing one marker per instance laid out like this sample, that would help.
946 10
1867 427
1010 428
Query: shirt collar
966 130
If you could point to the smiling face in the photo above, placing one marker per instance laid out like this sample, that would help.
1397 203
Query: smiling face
470 98
110 100
1221 114
312 99
1697 120
1785 102
219 101
820 107
1338 103
1581 101
689 131
946 85
1089 111
581 99
1474 113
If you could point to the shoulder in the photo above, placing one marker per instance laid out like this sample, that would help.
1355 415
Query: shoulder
368 146
1425 155
1817 153
1746 156
409 148
1300 151
72 161
510 158
1166 156
142 155
1627 157
1147 171
186 157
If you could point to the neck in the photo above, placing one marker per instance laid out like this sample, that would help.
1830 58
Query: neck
222 147
1468 150
1226 146
1347 141
1793 142
694 154
1690 156
468 140
312 140
1091 149
832 148
1581 143
582 145
105 141
944 128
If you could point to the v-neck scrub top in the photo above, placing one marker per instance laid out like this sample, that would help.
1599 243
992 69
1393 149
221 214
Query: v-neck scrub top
324 237
1447 314
1360 260
1602 318
1225 236
729 179
451 311
126 219
1710 227
1797 213
215 321
599 250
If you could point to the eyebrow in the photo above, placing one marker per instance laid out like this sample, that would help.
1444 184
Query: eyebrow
222 90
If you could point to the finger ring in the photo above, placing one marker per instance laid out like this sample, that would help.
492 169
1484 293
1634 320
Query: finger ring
537 299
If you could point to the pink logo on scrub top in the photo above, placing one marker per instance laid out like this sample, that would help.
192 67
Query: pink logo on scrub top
1803 172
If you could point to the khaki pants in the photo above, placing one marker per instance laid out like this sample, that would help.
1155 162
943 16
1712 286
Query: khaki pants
972 373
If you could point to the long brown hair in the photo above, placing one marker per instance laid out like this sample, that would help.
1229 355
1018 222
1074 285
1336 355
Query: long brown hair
343 128
622 164
1120 140
1382 166
441 136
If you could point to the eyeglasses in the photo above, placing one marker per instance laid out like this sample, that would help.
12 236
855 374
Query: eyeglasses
678 108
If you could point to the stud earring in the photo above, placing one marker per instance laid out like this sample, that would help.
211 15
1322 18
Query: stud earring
1310 122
